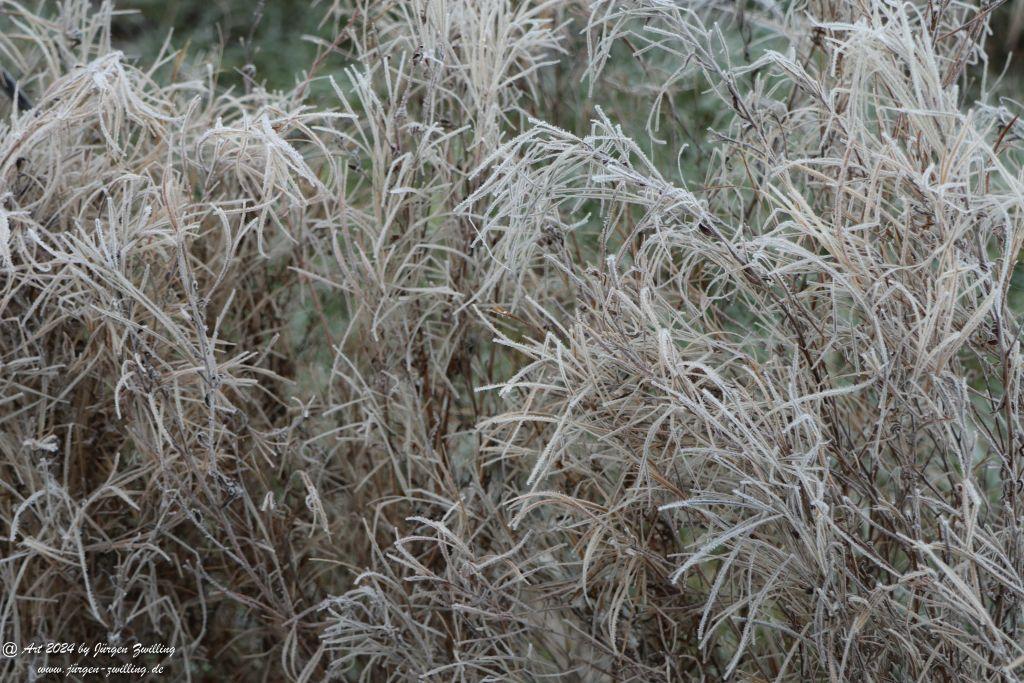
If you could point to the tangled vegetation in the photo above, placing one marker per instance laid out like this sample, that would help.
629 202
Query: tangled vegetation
608 340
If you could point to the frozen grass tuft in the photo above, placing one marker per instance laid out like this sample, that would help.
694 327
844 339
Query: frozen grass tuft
472 370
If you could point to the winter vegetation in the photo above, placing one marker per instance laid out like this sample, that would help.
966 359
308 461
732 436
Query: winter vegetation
516 340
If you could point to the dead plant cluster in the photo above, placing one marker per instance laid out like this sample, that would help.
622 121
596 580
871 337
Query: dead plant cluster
443 366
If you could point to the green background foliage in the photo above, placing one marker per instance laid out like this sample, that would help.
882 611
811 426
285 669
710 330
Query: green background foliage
271 35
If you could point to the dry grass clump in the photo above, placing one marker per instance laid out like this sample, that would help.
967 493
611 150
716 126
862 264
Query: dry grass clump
155 488
417 383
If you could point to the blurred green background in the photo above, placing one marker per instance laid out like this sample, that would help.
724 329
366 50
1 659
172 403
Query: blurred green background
269 34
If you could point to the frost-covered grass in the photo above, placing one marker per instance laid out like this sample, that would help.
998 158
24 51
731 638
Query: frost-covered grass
623 340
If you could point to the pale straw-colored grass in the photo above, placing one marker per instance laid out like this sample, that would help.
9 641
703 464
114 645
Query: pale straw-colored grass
433 379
